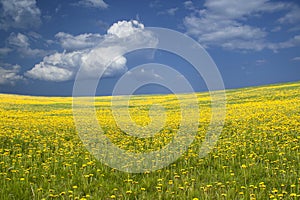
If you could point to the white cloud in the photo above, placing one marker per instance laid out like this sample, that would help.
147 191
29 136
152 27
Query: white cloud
106 50
240 8
170 11
295 41
226 33
123 29
296 58
238 32
83 41
189 5
4 51
224 23
20 43
18 40
46 72
10 75
56 67
93 3
292 17
34 35
144 75
19 14
260 61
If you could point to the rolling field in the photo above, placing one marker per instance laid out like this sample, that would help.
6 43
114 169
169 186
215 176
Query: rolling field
256 157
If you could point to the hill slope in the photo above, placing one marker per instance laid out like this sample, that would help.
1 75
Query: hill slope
257 155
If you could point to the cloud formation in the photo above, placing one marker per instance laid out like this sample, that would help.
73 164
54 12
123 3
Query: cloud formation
22 14
10 75
94 53
293 16
189 5
224 23
4 51
144 75
296 58
170 11
83 41
20 43
92 4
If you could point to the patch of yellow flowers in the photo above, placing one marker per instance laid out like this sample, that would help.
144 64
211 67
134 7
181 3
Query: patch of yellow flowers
257 155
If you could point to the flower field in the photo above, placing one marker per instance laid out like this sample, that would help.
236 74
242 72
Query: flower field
256 157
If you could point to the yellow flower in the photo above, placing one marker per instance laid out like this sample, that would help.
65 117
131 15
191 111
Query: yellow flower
293 195
129 192
244 166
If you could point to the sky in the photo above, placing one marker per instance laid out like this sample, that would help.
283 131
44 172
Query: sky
44 43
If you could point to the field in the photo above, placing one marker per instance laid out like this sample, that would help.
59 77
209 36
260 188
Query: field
256 157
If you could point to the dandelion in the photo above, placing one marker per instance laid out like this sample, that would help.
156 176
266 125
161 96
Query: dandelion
181 188
39 145
293 195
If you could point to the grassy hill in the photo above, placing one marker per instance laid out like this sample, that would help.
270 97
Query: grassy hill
257 155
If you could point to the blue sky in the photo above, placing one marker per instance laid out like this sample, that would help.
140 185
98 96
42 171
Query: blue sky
44 43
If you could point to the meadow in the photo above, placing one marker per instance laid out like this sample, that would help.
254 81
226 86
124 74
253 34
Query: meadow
256 157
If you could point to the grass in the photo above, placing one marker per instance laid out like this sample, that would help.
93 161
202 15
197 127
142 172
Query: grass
257 155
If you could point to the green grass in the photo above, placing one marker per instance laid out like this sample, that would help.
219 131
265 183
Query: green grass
257 155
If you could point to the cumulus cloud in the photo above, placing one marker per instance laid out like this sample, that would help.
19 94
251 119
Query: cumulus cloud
224 23
94 53
19 14
10 75
92 3
56 67
21 44
83 41
123 29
